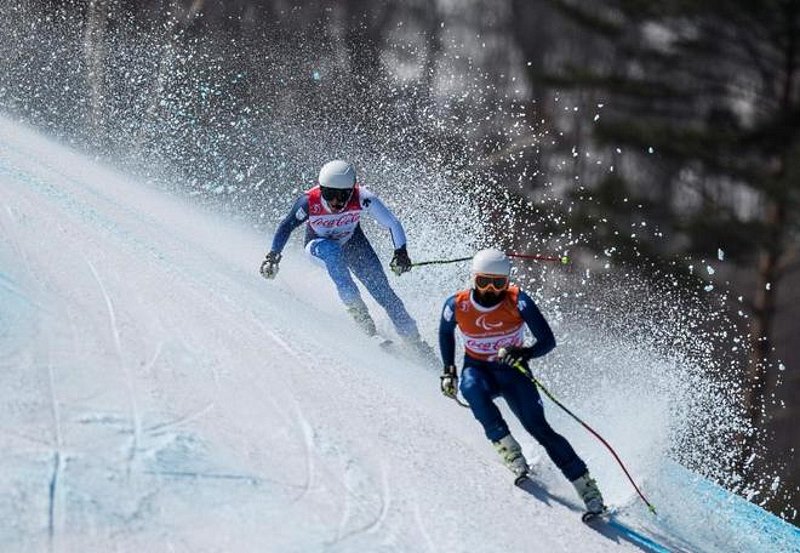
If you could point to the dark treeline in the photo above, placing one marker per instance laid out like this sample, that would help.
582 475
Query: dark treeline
666 135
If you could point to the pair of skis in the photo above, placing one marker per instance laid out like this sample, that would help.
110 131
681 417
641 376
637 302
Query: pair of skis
604 521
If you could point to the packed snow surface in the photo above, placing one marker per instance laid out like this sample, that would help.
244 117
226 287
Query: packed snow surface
159 395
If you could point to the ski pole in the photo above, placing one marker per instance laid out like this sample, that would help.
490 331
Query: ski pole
546 392
461 403
440 261
564 260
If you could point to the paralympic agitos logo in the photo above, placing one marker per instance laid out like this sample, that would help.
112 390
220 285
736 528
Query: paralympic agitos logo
486 325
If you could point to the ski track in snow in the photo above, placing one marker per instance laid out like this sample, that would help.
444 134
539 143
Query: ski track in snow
53 488
160 396
131 395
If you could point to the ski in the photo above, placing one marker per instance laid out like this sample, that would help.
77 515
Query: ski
607 522
589 516
607 518
521 480
525 482
383 342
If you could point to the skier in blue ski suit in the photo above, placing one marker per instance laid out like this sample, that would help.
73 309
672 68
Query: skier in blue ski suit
492 316
331 212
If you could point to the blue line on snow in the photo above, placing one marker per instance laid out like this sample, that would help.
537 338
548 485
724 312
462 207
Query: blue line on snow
635 536
762 528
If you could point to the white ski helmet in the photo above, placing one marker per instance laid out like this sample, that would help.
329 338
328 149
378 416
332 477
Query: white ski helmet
337 174
490 262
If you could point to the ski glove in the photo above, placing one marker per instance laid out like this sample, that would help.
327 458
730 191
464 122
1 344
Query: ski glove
514 355
400 262
449 381
269 267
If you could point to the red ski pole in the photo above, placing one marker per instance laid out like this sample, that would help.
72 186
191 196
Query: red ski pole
539 385
538 257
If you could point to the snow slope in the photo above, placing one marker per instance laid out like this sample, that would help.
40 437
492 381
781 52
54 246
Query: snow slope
158 395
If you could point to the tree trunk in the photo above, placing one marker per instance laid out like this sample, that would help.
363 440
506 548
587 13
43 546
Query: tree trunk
94 50
763 316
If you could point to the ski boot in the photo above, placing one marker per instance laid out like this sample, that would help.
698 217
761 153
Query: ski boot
512 456
590 494
361 316
422 350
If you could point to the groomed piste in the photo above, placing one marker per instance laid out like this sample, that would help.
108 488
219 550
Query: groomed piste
158 395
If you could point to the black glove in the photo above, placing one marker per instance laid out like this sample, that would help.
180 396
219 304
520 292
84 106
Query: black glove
514 355
400 262
449 381
269 267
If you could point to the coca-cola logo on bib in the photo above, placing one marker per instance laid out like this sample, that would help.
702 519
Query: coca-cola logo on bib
488 346
333 222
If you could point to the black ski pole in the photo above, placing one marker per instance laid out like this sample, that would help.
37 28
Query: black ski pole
564 260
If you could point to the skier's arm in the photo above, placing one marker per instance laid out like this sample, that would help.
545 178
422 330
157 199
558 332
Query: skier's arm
296 217
545 341
372 204
447 329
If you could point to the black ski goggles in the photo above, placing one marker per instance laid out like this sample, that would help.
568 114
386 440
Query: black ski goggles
341 195
484 282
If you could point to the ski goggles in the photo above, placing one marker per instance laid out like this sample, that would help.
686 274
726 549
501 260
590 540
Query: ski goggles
497 282
341 195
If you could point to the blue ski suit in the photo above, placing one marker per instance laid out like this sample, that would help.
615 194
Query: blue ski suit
483 378
337 241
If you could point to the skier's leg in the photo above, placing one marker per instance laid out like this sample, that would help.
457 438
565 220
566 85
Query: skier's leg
361 258
330 254
479 389
524 401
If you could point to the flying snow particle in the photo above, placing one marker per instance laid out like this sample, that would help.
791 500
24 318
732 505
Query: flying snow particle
720 254
710 269
709 288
